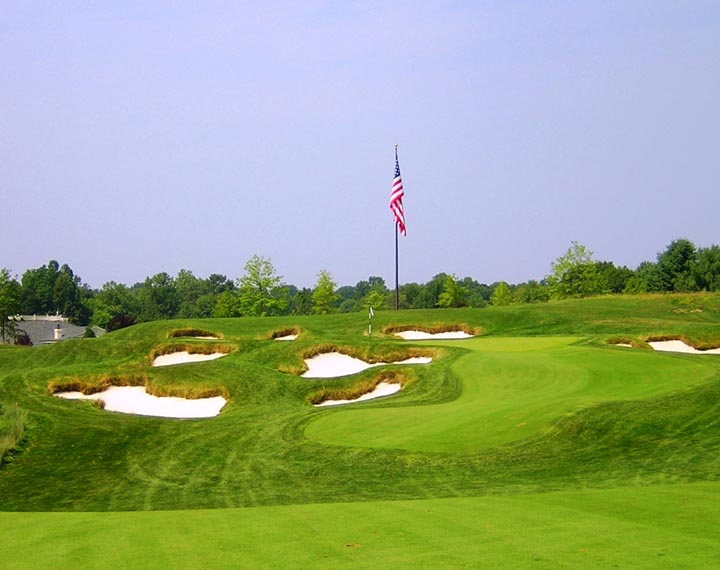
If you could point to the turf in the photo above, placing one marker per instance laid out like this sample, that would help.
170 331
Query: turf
649 528
520 440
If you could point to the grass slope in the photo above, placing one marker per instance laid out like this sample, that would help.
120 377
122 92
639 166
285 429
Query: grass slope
533 429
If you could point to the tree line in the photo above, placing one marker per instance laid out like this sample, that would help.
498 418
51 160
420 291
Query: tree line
260 291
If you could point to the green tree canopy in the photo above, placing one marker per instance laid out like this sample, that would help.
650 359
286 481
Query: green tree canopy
675 266
575 274
10 304
260 289
501 295
453 294
324 297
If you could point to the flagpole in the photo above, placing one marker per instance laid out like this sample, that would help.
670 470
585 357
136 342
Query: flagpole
397 287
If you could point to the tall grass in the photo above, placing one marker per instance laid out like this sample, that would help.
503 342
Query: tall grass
12 429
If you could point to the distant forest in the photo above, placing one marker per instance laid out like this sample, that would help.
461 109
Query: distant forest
55 288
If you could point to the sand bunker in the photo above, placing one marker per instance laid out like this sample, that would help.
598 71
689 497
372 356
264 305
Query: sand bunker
382 389
680 346
184 357
287 337
335 364
421 335
136 400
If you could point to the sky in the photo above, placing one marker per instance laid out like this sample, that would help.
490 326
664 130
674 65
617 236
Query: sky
144 137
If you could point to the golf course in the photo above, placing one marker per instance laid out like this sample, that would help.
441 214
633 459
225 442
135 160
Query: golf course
553 437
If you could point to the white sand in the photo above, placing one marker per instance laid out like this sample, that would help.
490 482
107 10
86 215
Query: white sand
136 400
420 335
184 357
382 389
680 346
287 337
335 364
625 344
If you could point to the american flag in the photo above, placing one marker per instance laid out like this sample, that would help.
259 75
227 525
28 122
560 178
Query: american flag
396 197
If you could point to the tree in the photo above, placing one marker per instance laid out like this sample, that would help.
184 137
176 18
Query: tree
453 294
531 292
114 307
430 293
502 295
302 302
226 305
37 289
706 270
376 294
575 274
189 289
10 304
615 278
324 297
158 298
675 266
260 289
54 289
649 273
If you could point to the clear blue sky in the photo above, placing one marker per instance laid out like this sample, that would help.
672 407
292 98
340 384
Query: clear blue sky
138 137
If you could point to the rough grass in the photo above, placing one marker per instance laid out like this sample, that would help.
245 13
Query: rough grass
192 332
285 332
191 348
12 429
435 328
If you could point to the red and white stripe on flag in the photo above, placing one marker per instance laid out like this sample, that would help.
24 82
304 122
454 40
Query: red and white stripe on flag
396 198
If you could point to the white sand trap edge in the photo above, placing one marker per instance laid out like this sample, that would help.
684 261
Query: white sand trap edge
421 335
680 346
183 357
382 389
287 337
136 400
335 364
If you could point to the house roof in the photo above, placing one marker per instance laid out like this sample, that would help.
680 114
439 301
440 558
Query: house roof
43 331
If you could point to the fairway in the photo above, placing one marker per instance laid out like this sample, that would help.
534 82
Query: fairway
537 444
511 389
662 527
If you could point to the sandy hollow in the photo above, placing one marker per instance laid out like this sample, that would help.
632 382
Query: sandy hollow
680 346
136 400
184 357
335 364
420 335
382 389
287 337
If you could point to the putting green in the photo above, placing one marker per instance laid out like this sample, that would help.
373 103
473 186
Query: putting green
513 388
